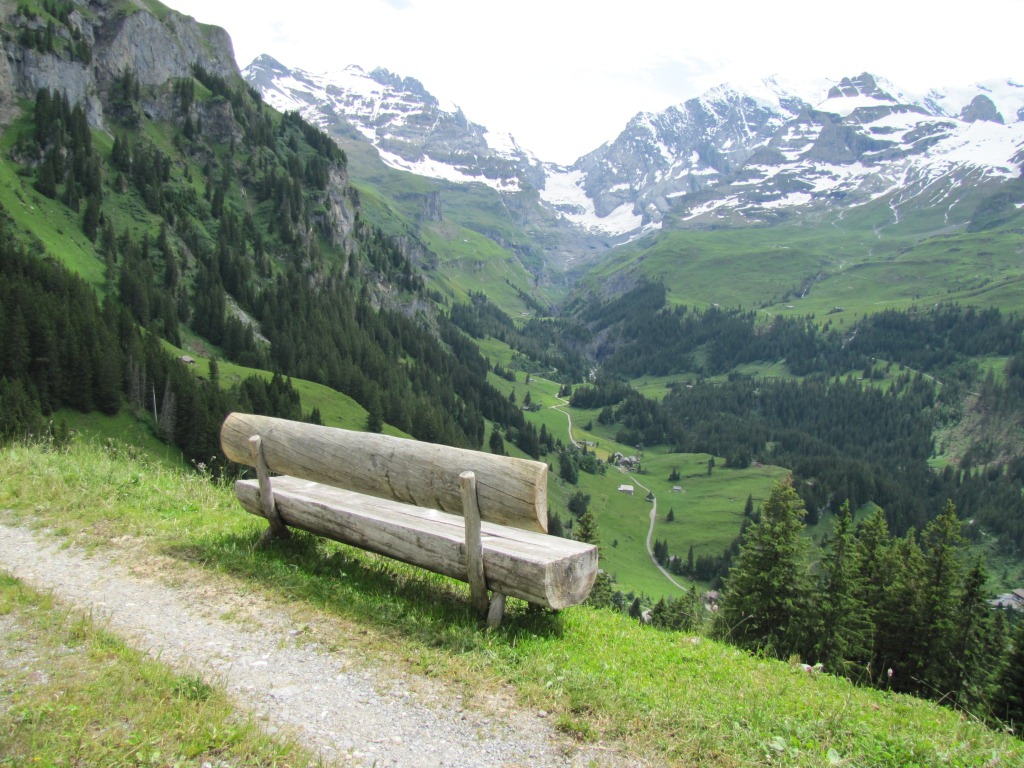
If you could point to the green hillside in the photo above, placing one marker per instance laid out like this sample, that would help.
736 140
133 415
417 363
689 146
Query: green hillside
663 697
176 250
470 240
860 261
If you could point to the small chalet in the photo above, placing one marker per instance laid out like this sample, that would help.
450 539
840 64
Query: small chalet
627 489
1013 600
187 360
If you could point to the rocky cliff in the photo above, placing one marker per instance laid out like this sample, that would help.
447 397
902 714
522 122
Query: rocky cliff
86 48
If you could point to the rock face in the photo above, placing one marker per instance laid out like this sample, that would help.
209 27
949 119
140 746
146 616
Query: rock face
119 38
981 108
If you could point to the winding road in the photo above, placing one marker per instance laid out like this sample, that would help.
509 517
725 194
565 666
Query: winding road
654 499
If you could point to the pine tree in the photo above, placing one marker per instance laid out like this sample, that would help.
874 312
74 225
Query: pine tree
19 411
943 546
374 414
1009 700
976 656
843 629
586 529
899 616
567 468
497 442
602 595
765 602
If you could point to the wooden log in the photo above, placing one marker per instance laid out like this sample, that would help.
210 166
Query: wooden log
510 491
542 569
474 549
277 529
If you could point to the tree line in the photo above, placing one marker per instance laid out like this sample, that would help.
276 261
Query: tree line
906 613
643 335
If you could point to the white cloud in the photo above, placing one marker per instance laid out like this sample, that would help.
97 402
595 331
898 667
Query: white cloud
563 76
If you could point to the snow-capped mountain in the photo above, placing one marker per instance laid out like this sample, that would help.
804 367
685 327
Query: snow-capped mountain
734 155
731 156
410 128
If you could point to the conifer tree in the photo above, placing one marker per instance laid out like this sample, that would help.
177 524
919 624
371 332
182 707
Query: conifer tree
765 602
1009 702
899 618
943 545
843 629
602 595
586 529
976 654
497 442
374 417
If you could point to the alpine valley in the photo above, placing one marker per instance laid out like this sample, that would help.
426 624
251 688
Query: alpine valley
821 280
783 314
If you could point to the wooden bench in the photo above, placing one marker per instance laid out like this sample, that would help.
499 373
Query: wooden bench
473 516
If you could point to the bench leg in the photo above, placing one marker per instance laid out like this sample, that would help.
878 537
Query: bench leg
496 611
277 530
474 546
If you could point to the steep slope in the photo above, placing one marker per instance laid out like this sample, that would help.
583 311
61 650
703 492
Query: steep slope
410 128
480 180
143 162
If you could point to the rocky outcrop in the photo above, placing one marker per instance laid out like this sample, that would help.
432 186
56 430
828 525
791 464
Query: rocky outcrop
341 211
118 39
31 70
8 93
981 108
432 206
158 51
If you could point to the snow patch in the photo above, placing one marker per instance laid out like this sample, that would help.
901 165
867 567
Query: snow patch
437 170
564 191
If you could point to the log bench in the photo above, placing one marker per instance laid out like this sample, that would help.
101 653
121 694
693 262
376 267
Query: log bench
473 516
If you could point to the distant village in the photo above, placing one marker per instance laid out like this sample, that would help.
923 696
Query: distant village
1012 600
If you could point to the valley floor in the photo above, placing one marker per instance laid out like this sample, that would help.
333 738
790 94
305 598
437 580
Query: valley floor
292 676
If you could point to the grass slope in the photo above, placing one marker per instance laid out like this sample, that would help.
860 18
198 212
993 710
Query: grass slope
471 241
862 262
669 698
75 694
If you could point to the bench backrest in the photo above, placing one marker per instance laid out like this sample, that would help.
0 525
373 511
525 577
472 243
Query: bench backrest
510 491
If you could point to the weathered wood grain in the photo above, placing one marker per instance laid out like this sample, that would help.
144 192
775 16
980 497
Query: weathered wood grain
277 530
510 491
474 548
541 569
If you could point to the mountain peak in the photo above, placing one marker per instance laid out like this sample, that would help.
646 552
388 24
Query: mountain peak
863 84
981 108
408 85
266 63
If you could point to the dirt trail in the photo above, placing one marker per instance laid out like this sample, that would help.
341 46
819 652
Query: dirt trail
336 704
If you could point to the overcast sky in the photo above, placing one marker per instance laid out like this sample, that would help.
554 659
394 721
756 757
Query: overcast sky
564 76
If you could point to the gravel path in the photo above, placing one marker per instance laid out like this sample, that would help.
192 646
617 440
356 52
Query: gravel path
337 705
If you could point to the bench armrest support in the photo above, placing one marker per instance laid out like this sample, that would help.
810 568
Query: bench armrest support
277 530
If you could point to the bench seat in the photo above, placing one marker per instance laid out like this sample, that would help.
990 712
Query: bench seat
536 567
